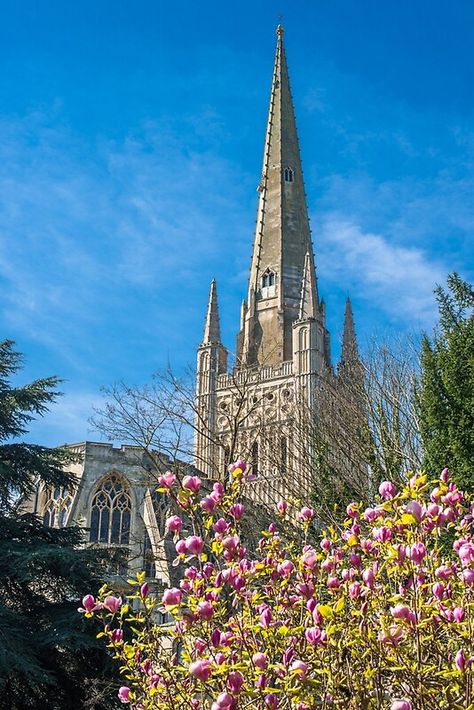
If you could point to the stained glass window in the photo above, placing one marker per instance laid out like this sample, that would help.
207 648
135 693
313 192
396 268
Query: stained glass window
110 513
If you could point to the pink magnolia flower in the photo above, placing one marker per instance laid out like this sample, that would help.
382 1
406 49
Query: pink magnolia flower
208 504
445 475
299 667
416 552
112 604
89 605
416 509
313 635
401 611
172 597
236 511
266 617
306 514
309 559
466 554
369 577
271 700
401 705
237 465
116 636
205 611
392 636
218 491
354 590
167 480
231 543
144 590
352 510
468 576
220 526
192 483
223 702
181 547
259 660
194 544
325 544
174 524
438 590
460 661
388 490
124 694
282 506
333 583
235 682
285 568
459 614
201 670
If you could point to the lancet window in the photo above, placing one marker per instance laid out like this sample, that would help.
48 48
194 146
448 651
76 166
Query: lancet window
255 458
289 174
110 512
57 506
268 278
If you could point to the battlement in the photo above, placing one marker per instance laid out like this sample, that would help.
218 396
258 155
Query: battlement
255 375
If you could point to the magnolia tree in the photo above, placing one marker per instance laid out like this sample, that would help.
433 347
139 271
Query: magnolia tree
379 614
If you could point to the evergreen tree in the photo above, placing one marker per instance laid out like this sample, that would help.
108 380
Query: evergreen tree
446 391
47 659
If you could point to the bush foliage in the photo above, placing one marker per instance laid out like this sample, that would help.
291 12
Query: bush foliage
376 614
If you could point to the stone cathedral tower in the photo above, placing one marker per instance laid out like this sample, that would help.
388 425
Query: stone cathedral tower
282 362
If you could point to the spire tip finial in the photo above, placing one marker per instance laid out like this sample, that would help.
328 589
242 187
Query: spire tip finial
280 30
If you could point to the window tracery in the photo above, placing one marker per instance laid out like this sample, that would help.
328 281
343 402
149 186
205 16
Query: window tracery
110 512
57 507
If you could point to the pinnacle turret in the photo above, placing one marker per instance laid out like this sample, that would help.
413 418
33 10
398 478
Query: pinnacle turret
212 330
309 294
350 354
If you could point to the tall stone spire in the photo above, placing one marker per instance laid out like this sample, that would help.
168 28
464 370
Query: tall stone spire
212 329
350 354
282 237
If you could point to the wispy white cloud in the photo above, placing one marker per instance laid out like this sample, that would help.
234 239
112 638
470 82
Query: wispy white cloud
397 280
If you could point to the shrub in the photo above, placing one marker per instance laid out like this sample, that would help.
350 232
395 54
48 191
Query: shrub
378 614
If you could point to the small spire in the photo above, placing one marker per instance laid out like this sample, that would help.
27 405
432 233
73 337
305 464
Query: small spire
309 298
350 352
212 330
280 30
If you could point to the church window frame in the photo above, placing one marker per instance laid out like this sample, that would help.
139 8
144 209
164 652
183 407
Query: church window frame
254 457
57 505
268 283
111 512
289 174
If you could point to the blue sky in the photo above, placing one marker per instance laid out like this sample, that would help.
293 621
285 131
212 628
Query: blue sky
131 139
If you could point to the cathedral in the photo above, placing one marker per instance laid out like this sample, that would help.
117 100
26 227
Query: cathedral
262 405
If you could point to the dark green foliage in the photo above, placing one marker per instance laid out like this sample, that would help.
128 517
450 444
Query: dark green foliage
446 392
48 659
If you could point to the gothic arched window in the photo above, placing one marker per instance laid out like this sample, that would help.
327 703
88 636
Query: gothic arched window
255 458
110 512
289 174
57 506
283 455
268 278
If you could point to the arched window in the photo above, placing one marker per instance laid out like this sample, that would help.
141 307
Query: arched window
110 513
255 458
57 506
148 558
283 455
268 278
289 174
